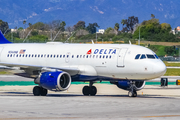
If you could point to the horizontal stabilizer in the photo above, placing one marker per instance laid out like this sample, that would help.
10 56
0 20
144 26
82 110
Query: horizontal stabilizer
3 40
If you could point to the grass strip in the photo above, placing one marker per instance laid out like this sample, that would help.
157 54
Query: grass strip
172 72
169 64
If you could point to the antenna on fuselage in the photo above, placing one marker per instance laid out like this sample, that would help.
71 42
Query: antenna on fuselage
129 42
92 41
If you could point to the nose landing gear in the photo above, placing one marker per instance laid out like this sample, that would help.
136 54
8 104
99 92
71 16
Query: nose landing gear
89 90
132 92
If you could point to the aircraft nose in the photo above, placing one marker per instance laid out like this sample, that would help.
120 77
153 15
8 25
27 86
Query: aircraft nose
160 68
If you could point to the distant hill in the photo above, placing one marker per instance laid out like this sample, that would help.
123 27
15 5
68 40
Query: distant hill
105 12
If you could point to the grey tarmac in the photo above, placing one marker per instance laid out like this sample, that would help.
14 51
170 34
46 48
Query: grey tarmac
152 103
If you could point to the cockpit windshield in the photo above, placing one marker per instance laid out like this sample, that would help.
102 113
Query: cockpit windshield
146 56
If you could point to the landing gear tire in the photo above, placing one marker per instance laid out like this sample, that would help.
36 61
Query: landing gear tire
37 91
43 92
93 91
132 94
86 90
135 94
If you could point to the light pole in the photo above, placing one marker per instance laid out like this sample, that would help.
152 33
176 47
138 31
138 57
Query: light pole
139 35
96 36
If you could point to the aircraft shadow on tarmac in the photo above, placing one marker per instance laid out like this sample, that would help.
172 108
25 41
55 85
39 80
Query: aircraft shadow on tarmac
78 95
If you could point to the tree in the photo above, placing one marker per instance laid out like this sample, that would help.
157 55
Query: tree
34 33
24 22
152 30
62 26
39 26
130 22
152 16
30 25
108 30
116 27
79 25
165 27
4 27
92 27
123 22
20 28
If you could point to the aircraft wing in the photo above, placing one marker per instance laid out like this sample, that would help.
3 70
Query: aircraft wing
70 69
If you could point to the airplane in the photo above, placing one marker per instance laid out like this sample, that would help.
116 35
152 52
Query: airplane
55 65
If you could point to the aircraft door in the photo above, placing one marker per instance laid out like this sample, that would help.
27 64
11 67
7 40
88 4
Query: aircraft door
1 48
121 56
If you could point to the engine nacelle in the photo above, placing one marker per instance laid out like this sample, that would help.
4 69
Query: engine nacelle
124 84
55 81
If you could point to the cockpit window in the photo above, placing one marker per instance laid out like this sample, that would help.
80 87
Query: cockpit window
156 56
143 56
150 56
137 56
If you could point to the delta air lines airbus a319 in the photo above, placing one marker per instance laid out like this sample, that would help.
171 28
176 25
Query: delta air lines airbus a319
57 64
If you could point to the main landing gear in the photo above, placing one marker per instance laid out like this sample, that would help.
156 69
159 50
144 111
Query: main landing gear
132 92
38 90
89 90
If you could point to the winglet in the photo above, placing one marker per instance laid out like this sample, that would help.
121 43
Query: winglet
3 40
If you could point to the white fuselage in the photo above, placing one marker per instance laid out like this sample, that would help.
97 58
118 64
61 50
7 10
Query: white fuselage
107 60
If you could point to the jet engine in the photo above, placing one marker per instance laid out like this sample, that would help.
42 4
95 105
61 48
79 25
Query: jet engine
124 84
54 81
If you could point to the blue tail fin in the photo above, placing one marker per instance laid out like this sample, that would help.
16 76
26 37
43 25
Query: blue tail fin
3 40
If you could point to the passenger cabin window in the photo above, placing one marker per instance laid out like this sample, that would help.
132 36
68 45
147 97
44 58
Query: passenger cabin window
143 56
137 56
150 56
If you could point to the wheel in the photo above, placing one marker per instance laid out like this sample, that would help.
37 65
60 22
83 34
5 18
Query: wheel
86 90
43 92
37 91
93 91
130 93
134 94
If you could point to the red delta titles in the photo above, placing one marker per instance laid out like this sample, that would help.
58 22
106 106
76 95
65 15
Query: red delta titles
102 51
89 52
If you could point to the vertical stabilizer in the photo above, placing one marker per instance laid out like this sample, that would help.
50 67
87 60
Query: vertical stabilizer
3 40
